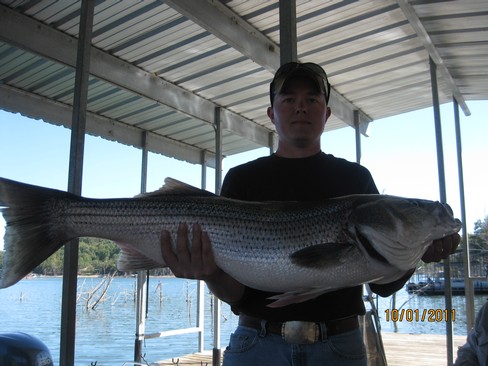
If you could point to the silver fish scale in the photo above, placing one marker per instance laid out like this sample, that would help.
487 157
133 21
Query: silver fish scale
251 241
252 232
84 213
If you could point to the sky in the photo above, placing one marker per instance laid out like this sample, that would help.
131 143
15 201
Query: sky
399 151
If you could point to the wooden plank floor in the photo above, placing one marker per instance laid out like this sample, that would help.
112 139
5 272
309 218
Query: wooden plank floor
200 359
401 350
418 349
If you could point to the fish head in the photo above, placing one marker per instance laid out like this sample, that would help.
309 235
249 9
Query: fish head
401 229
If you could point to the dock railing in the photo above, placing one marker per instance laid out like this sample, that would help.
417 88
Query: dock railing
141 291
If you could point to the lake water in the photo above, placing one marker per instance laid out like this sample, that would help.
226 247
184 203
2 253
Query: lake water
105 336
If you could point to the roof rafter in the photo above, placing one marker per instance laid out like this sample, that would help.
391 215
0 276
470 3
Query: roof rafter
60 114
424 37
221 21
45 41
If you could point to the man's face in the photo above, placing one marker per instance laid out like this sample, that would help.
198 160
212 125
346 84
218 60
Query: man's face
299 113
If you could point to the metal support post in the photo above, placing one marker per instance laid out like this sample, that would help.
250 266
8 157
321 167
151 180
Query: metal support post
216 355
288 31
141 275
468 283
70 269
358 136
271 142
201 284
442 189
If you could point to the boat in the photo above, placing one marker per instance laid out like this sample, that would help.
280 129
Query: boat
432 287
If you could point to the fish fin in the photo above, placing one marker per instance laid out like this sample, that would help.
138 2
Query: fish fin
322 255
29 236
132 260
294 297
175 187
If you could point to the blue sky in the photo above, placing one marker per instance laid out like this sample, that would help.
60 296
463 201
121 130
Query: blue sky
400 152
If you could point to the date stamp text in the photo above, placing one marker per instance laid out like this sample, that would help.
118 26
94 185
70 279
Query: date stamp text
420 315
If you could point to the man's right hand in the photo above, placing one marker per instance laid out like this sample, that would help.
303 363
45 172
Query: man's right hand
197 262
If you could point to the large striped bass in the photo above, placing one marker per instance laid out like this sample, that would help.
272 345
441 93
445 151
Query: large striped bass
299 249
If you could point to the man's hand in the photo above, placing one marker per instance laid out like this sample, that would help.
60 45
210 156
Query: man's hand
442 248
199 263
195 263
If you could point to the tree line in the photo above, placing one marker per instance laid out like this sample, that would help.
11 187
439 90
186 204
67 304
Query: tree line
96 257
478 252
99 257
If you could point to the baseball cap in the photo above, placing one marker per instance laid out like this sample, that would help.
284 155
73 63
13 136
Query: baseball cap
307 70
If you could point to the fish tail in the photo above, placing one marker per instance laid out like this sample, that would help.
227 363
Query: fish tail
29 236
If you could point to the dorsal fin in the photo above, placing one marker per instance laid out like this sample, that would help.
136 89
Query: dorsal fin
175 187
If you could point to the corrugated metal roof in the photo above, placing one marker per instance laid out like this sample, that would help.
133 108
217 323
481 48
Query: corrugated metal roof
167 67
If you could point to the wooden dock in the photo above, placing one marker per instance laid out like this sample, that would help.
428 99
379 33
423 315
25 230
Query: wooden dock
195 359
401 350
418 349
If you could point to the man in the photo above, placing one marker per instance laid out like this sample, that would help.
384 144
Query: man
321 331
475 351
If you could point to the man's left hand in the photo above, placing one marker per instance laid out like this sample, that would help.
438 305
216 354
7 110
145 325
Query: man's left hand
442 248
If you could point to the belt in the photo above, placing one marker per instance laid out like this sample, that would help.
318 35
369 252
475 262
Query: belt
302 332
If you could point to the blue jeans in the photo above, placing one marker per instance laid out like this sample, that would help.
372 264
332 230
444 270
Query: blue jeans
248 346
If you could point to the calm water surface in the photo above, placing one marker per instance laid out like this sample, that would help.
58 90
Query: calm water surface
105 336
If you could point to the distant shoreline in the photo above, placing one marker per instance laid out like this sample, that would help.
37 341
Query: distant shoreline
35 275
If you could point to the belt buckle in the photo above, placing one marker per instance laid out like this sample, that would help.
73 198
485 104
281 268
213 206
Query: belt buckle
300 332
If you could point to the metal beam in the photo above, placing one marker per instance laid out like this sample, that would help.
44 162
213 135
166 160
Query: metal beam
221 21
443 199
216 351
342 109
288 31
38 38
57 113
468 282
142 276
424 37
77 147
226 25
358 138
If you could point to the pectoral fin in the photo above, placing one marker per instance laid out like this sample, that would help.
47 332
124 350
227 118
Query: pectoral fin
322 255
